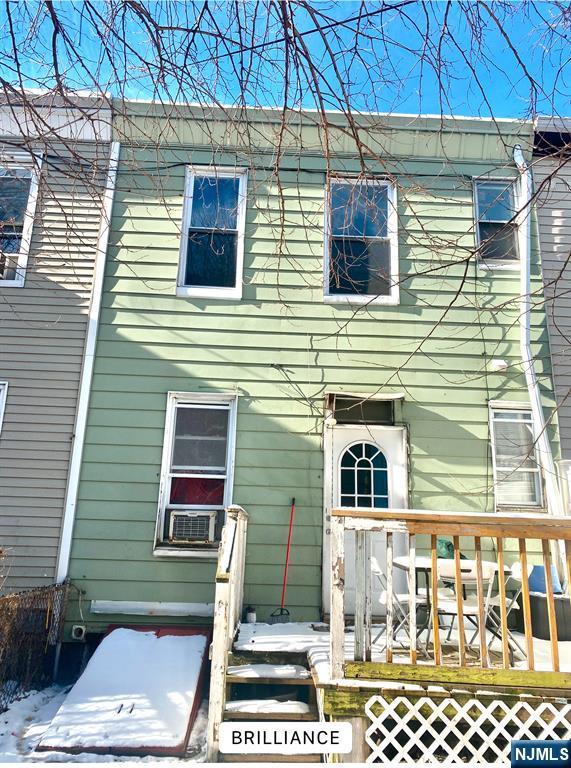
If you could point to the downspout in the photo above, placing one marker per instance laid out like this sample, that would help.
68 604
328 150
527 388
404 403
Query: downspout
87 370
543 447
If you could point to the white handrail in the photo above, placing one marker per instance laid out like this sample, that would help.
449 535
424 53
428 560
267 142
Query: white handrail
228 603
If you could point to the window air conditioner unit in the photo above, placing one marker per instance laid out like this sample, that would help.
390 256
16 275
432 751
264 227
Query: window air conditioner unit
188 526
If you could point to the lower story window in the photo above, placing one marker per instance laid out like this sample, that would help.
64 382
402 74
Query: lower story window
516 469
198 457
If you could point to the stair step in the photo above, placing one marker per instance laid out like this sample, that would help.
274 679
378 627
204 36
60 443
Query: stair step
268 709
267 657
284 674
294 716
255 758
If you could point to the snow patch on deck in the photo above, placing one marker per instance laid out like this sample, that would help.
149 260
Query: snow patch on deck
268 706
313 639
268 671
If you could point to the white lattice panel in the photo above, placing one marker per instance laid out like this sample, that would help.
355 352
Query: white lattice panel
447 730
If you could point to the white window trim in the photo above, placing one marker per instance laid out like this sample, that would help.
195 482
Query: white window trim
28 224
500 405
213 292
510 265
392 236
3 398
160 547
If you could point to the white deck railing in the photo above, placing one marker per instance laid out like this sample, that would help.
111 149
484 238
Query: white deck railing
228 603
551 539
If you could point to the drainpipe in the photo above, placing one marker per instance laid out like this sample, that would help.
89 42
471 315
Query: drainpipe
87 371
550 476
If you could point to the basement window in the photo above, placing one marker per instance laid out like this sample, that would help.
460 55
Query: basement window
517 475
361 260
198 459
212 245
496 233
18 193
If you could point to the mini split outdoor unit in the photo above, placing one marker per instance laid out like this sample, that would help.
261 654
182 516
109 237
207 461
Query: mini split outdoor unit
192 526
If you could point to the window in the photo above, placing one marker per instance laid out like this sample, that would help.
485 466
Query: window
198 458
364 480
516 471
362 410
361 260
3 396
212 245
496 233
18 192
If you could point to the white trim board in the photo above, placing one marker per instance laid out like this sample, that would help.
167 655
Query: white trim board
141 608
3 398
87 370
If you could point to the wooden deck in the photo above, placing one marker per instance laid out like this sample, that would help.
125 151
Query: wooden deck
463 700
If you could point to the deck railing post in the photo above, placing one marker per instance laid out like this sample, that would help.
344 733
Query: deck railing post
337 608
481 607
390 598
552 619
360 565
458 589
434 601
368 617
412 596
526 604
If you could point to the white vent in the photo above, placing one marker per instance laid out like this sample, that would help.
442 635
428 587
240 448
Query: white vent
192 526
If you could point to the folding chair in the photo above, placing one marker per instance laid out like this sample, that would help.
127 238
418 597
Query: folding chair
470 608
401 605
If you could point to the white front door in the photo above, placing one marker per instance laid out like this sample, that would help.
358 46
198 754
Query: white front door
365 466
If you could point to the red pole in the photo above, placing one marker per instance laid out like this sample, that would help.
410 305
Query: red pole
291 516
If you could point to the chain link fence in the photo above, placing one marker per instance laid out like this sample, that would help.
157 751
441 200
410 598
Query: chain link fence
31 625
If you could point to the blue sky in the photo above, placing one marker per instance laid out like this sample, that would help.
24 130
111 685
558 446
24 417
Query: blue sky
485 61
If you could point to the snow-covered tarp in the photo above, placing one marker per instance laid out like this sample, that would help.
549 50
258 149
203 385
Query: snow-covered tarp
27 719
137 695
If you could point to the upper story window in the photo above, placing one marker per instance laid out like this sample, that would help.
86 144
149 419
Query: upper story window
18 192
198 460
212 246
516 469
361 259
496 233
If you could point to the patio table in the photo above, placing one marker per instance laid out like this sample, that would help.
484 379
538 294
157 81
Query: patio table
446 572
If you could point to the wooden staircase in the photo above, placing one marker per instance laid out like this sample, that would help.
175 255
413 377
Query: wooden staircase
252 685
272 689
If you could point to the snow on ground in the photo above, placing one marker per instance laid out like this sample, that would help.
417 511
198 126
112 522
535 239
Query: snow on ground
26 721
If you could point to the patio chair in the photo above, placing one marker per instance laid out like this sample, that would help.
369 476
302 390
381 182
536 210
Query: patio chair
448 605
401 605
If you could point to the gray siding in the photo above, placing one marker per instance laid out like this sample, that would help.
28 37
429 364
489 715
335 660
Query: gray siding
553 183
42 335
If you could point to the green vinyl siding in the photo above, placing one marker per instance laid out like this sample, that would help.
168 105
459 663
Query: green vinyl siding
281 347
